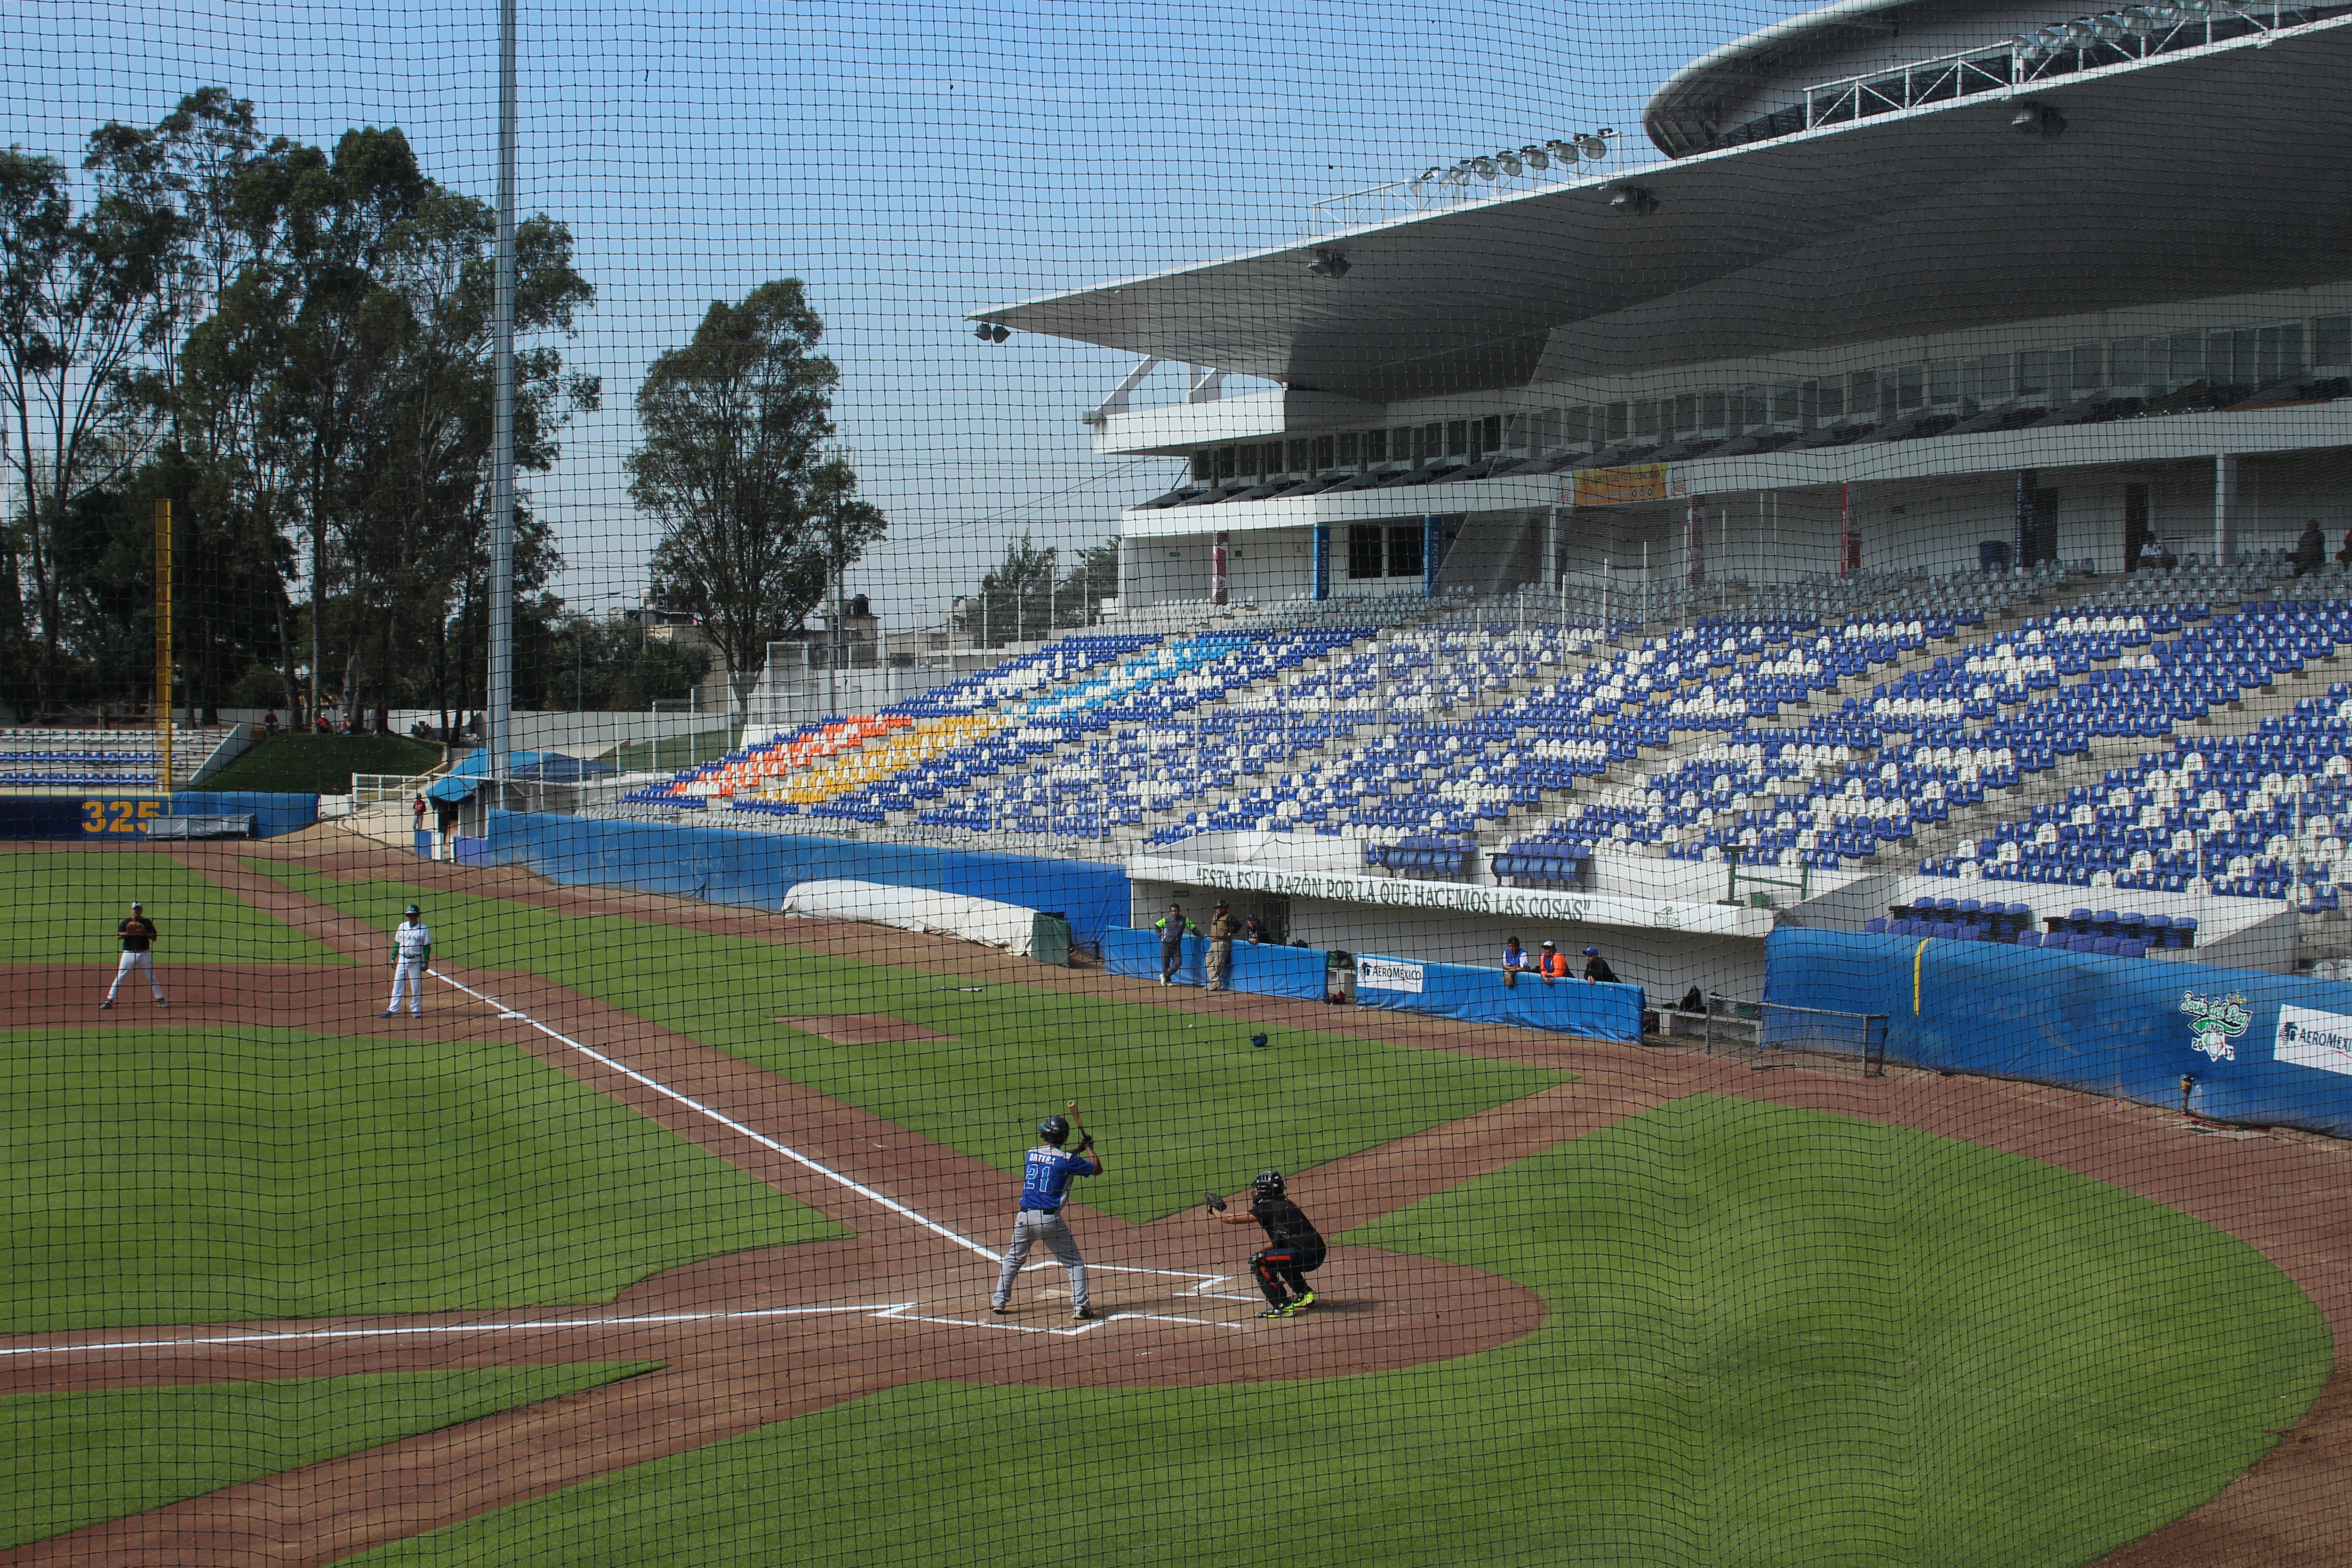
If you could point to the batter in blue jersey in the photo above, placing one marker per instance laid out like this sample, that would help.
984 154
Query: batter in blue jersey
1046 1178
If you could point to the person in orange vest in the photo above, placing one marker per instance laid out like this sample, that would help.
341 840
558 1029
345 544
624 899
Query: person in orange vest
1553 964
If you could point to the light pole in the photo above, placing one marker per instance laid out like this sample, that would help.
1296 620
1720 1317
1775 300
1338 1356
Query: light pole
501 695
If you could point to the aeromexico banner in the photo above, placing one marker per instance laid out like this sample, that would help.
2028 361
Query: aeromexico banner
2256 1047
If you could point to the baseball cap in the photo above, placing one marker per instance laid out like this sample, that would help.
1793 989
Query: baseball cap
412 909
137 905
1550 943
1591 952
1222 904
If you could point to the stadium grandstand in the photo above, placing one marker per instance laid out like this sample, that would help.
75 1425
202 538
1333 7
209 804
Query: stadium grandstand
1894 492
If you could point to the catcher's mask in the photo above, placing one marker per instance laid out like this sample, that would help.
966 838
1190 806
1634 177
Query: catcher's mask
1053 1130
1266 1184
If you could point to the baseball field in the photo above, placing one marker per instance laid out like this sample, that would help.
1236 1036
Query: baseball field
666 1233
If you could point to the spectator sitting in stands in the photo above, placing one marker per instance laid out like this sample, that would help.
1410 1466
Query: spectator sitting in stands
1553 964
1515 960
2310 549
269 723
2154 556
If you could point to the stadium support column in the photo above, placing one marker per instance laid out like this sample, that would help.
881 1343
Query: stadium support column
1322 561
499 703
2225 505
164 682
1694 547
1433 542
2028 482
1220 567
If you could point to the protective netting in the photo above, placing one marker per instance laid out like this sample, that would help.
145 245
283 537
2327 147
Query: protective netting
1464 785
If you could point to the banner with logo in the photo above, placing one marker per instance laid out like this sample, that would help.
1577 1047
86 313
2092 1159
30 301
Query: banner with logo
2229 1045
1387 975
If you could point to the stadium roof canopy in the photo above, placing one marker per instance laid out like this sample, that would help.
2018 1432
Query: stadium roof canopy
2195 174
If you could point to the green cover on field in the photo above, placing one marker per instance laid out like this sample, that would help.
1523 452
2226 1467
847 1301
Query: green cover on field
72 1459
1182 1101
204 1176
64 904
1776 1338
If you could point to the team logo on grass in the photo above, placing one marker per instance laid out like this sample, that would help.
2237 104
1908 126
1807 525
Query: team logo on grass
2215 1023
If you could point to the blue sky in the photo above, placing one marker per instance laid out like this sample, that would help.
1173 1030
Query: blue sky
910 162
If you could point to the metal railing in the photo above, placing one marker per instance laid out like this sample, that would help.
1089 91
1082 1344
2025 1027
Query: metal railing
2061 50
375 789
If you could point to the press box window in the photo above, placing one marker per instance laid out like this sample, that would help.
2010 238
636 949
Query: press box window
1457 437
1364 550
1404 549
1224 462
1204 465
1376 445
1302 456
1324 456
1350 448
2331 340
1645 420
1620 415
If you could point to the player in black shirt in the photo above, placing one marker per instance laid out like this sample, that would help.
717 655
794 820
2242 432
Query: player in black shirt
1295 1246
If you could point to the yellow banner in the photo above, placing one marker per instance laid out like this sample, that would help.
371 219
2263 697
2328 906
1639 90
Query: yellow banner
1617 487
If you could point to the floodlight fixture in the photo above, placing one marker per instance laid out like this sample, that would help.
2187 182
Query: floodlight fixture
1458 176
2038 119
1563 151
2138 20
1486 168
2194 10
1428 174
2051 38
1535 156
990 332
2108 27
1329 264
1508 161
1633 199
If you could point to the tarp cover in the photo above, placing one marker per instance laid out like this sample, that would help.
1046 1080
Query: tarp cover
1263 970
1008 926
1479 996
2267 1049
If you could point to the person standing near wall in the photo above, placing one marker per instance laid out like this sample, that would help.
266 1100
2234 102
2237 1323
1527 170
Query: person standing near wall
1596 969
1172 928
1516 962
1223 929
1553 964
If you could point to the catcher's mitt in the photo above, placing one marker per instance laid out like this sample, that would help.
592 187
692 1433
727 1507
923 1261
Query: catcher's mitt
1216 1202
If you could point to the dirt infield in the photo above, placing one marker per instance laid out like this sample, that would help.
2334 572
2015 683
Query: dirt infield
754 1338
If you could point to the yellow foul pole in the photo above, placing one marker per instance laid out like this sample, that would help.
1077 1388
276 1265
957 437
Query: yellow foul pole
163 640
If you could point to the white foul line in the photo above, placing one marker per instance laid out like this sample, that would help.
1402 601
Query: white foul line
728 1123
904 1310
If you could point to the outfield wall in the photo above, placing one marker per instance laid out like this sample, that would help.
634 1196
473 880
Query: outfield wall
722 866
122 814
2257 1047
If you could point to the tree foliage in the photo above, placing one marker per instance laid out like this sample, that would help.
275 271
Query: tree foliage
293 346
758 514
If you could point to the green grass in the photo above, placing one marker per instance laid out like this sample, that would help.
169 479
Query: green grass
1775 1338
321 764
64 907
675 752
76 1458
1181 1101
186 1176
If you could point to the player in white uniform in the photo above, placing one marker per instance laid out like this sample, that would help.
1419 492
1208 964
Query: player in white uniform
411 950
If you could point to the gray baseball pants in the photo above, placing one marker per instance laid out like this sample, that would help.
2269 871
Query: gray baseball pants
1031 1226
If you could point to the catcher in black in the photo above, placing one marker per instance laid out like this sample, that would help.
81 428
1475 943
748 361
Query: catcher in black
1295 1249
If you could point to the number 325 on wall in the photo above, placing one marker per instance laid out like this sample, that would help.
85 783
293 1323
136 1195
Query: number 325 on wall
118 815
